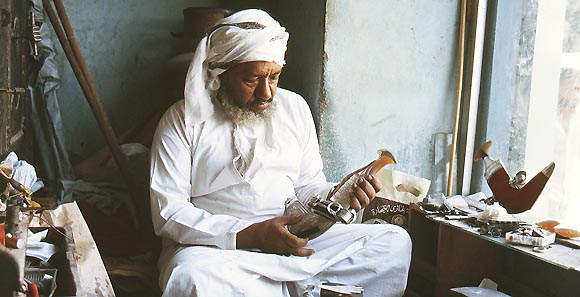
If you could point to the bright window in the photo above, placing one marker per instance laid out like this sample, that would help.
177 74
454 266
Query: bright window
544 112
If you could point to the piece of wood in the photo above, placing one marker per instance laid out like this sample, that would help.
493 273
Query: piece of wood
458 94
464 260
91 278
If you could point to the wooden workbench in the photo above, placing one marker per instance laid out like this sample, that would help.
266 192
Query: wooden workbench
449 254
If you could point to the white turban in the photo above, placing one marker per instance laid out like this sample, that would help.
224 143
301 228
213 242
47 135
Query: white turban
248 35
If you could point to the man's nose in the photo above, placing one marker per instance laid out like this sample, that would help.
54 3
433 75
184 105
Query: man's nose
263 91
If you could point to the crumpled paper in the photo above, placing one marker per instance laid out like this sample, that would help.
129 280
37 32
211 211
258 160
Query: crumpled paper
22 171
402 187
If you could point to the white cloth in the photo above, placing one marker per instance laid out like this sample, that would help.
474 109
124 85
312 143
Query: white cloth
372 255
285 162
199 197
248 35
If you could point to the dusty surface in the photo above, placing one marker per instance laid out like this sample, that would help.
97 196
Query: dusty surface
90 273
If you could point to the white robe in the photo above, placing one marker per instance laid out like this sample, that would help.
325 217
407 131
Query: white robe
212 180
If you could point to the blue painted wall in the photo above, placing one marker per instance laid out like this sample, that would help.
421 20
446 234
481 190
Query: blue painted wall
383 77
125 44
389 82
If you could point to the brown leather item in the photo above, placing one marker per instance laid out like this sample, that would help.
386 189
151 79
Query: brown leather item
513 194
513 199
567 232
548 224
386 211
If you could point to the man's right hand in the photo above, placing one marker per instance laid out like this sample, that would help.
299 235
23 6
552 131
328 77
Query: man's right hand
272 236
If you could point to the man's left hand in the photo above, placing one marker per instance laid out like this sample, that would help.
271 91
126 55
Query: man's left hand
364 191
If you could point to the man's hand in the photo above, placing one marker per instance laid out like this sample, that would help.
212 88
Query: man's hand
272 236
364 191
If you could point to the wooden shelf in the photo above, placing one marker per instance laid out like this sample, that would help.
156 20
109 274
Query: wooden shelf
446 256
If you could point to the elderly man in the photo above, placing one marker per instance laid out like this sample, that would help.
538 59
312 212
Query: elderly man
225 159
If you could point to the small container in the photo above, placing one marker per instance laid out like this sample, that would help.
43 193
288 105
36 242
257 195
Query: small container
13 241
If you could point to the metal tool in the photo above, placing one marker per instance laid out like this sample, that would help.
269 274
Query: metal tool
35 34
13 90
320 214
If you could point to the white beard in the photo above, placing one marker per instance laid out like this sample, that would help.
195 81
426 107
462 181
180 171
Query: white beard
239 115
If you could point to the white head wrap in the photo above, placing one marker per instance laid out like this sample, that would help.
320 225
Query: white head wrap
248 35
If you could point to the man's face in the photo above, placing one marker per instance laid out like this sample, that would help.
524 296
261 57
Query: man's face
252 84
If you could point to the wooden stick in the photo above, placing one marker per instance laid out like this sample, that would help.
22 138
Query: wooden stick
71 49
458 93
72 40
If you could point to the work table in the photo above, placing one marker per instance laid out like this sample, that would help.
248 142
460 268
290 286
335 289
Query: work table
450 253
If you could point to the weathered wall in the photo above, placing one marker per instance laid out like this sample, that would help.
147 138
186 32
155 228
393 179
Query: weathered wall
389 82
125 44
304 21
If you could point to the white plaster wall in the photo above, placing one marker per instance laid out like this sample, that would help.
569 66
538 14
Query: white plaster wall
389 82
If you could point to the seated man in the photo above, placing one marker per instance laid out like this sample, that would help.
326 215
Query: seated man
224 161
